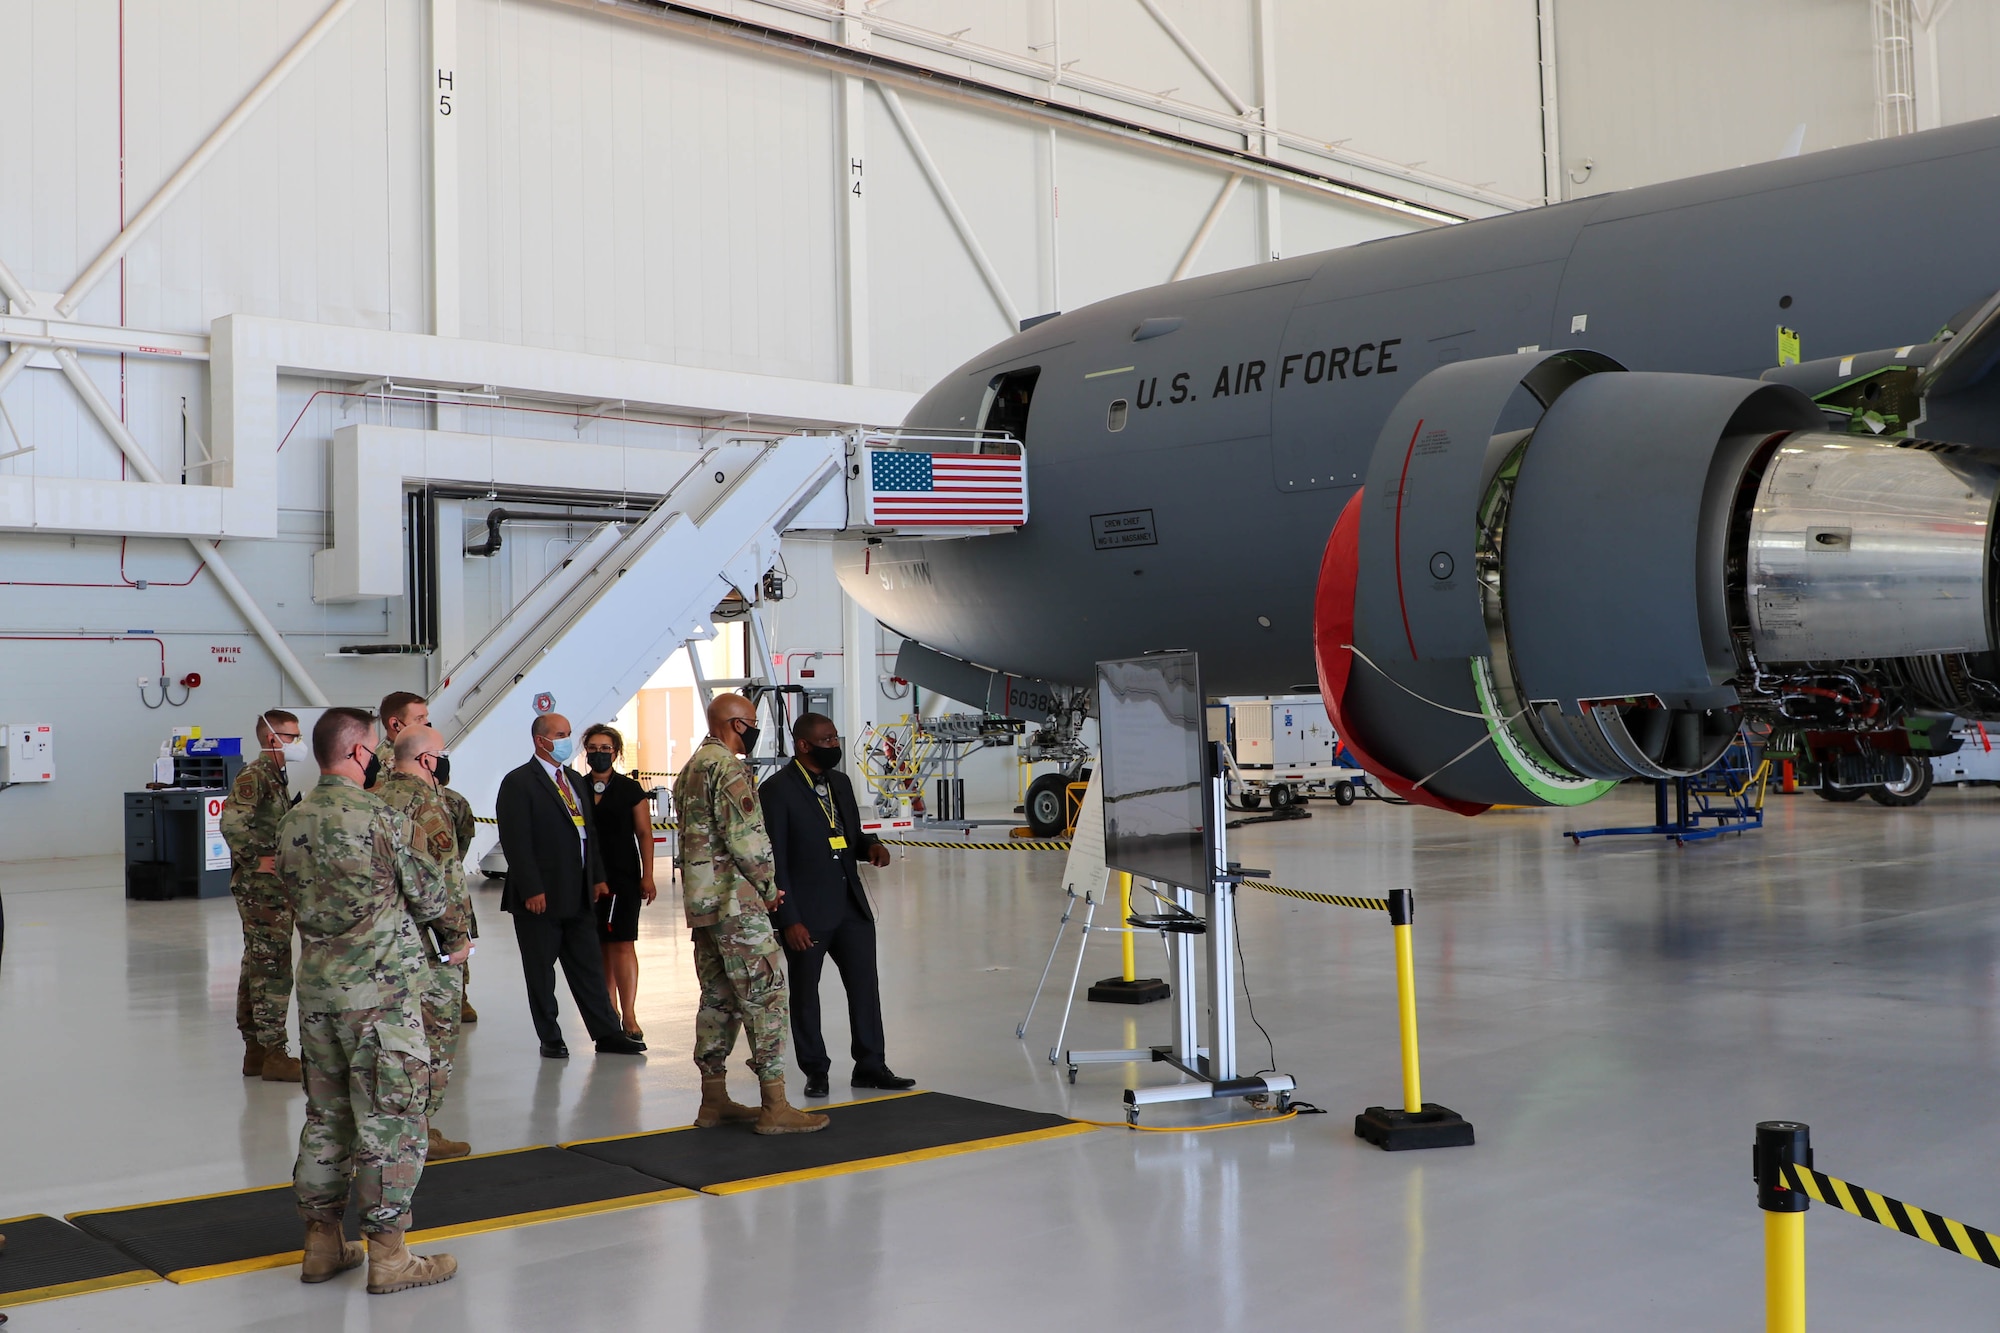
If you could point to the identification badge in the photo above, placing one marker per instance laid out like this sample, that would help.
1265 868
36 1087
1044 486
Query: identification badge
576 820
838 842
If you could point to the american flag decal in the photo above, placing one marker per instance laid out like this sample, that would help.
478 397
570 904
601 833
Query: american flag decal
945 490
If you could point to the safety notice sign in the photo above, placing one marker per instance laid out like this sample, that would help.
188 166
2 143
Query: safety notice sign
216 848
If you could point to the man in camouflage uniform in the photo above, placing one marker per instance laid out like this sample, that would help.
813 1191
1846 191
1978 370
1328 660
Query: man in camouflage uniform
258 800
401 709
361 886
729 890
413 789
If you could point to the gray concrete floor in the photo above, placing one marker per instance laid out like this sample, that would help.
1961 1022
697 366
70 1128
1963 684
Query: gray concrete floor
1614 1019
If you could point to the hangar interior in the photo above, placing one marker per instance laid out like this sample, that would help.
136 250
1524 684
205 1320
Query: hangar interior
494 349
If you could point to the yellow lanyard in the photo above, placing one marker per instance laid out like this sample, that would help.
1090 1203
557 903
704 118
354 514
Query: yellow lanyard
835 839
569 799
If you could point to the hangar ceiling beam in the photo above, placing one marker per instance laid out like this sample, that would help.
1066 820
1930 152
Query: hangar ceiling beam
142 465
1194 55
1930 94
959 221
1270 215
1433 200
198 159
1545 48
442 93
1207 227
854 231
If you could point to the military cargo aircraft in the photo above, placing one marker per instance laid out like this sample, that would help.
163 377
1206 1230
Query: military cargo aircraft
1540 502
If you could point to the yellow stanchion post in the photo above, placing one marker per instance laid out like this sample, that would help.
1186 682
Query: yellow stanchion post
1128 987
1406 1015
1781 1143
1131 972
1419 1124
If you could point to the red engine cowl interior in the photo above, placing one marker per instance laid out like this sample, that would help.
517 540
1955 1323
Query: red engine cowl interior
1333 633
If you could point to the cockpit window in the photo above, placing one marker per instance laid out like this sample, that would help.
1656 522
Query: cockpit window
1007 400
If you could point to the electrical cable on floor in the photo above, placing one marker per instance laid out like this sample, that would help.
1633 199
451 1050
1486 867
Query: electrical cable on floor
1297 1109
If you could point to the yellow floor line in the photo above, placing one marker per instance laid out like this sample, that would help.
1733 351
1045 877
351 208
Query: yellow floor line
897 1159
137 1278
432 1235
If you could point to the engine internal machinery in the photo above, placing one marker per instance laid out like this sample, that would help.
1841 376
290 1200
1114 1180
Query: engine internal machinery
1532 615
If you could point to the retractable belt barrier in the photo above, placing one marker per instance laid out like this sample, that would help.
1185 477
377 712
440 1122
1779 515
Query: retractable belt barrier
1419 1124
1324 899
1012 845
658 823
1782 1162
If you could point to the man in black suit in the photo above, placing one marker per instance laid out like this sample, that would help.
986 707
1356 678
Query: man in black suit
816 842
554 874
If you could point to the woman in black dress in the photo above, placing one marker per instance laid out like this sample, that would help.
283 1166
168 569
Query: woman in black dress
625 822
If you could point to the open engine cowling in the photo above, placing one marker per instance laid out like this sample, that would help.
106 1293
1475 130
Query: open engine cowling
1531 615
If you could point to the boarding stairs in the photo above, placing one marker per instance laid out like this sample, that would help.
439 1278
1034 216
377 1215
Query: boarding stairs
642 594
645 591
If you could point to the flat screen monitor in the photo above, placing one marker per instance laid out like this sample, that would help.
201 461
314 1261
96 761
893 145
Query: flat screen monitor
1153 768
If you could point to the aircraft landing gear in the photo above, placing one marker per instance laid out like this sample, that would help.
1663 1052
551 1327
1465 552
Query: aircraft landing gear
1044 805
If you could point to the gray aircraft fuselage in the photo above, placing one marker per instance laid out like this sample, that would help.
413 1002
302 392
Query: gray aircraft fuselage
1250 421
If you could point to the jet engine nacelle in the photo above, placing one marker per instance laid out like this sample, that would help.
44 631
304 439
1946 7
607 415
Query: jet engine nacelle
1533 615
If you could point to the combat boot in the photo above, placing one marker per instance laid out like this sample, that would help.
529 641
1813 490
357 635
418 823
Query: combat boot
280 1068
253 1057
716 1108
393 1268
443 1149
781 1117
328 1252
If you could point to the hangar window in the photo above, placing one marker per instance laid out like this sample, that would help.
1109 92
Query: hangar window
1006 410
1115 419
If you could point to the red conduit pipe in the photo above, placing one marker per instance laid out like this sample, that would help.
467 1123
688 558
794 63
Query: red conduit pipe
158 642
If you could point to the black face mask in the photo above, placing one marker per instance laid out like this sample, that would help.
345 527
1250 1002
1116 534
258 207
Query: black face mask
372 771
600 761
824 757
749 735
442 770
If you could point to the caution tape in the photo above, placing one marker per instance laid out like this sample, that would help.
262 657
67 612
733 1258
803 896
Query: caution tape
1920 1223
1325 899
1015 845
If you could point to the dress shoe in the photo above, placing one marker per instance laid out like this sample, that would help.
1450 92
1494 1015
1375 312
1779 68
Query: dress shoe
816 1086
885 1078
619 1044
555 1050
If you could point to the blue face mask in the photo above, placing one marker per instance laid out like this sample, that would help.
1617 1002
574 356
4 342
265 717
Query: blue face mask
561 750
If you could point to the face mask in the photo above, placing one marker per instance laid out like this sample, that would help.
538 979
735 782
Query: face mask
372 771
295 752
600 760
824 756
561 750
441 770
750 735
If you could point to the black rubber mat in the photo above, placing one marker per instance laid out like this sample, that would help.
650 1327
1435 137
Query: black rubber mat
45 1258
215 1235
863 1135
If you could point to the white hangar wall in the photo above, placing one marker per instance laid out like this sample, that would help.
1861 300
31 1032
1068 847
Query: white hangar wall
677 187
1651 92
622 188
